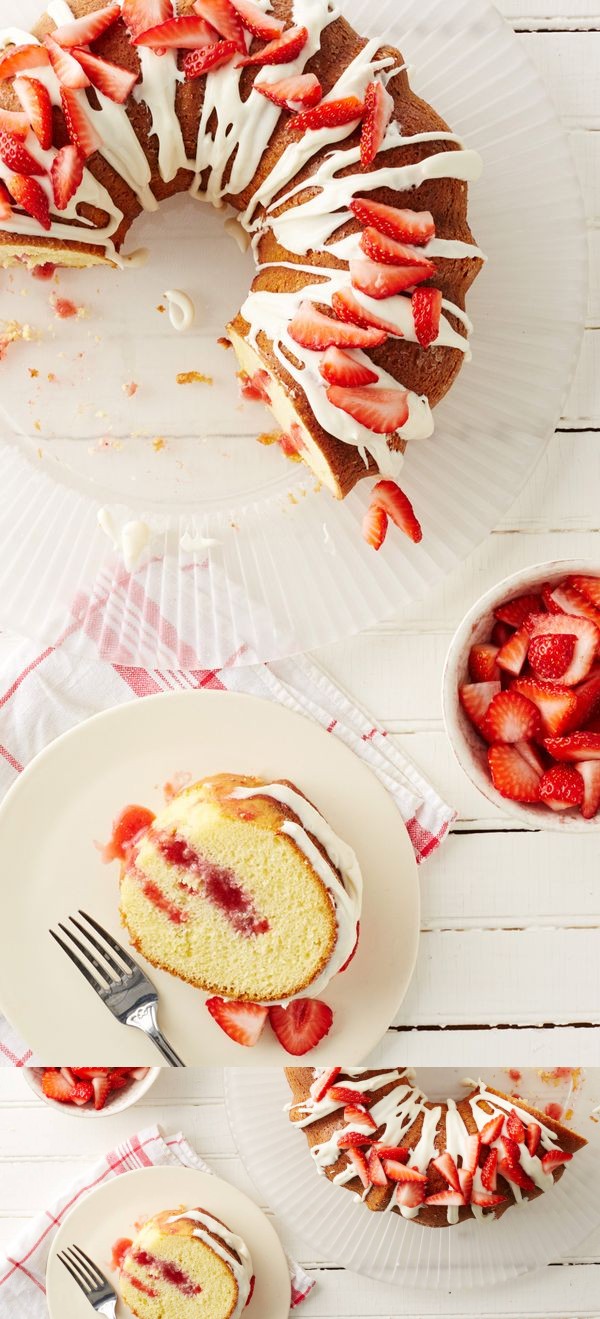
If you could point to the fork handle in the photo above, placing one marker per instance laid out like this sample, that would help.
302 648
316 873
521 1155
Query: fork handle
163 1046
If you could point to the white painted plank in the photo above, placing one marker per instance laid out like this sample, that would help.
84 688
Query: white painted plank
481 1048
568 64
518 11
585 149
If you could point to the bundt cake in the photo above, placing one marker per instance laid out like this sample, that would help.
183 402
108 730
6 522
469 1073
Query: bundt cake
353 190
241 888
377 1134
185 1264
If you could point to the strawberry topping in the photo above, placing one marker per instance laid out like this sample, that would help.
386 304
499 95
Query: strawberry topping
265 26
110 79
379 108
328 114
16 156
284 50
294 93
311 328
82 31
199 62
414 227
67 174
340 368
427 311
242 1022
37 105
225 19
382 411
30 196
302 1025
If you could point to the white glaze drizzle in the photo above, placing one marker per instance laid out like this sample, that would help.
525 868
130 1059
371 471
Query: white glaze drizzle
227 159
241 1267
397 1111
182 312
346 896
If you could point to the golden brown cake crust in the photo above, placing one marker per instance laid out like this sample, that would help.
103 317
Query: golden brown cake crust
429 372
300 1080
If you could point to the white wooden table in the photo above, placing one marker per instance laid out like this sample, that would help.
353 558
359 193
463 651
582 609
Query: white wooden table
510 918
41 1150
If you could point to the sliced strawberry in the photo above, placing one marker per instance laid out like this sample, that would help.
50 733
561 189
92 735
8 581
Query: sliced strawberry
512 776
514 1127
561 787
587 645
577 746
30 196
513 653
189 32
262 25
128 827
465 1180
501 633
377 1175
82 31
414 227
399 1172
488 1172
589 587
325 1078
114 82
349 309
14 123
224 18
242 1022
379 108
381 282
199 62
550 656
554 1159
455 1198
556 704
88 1073
67 69
485 1200
302 1025
476 698
311 328
409 1195
339 368
446 1166
533 1137
345 1094
101 1090
17 58
81 132
348 1140
386 251
382 411
56 1086
141 15
284 50
482 663
328 114
395 1152
587 696
292 443
589 771
388 496
514 612
17 157
37 105
359 1163
67 174
492 1129
472 1150
516 1174
120 1249
512 1153
531 753
301 90
82 1094
5 202
568 601
427 310
511 718
352 1113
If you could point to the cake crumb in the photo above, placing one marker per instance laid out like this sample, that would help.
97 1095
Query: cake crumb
193 378
161 309
269 437
12 332
224 342
130 388
52 378
34 373
159 443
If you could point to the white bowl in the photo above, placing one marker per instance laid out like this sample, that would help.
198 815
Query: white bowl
469 748
117 1102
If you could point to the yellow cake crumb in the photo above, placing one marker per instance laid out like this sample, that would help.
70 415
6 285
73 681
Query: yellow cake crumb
193 378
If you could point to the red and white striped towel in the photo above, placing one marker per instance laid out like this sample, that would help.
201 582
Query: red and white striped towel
23 1270
42 694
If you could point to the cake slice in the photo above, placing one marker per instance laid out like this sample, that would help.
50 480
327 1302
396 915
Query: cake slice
186 1264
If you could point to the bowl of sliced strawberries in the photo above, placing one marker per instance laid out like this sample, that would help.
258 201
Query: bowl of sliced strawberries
521 695
91 1091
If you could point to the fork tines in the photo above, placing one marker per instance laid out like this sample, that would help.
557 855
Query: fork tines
108 970
83 1270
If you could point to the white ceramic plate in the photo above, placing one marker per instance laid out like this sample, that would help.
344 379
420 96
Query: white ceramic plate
288 573
111 1211
385 1246
68 797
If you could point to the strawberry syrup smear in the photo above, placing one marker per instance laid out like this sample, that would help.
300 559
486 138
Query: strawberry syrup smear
164 1270
218 886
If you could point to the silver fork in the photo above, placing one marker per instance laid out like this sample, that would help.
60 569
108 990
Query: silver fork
101 1296
122 985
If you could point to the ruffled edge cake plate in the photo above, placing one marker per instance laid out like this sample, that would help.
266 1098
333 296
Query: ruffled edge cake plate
223 542
383 1245
111 1210
65 802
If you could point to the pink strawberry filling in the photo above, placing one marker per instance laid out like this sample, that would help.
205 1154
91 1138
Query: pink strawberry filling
160 900
218 885
140 1286
166 1271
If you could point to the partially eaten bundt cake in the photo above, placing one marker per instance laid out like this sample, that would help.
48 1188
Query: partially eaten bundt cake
242 888
353 190
186 1264
378 1135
